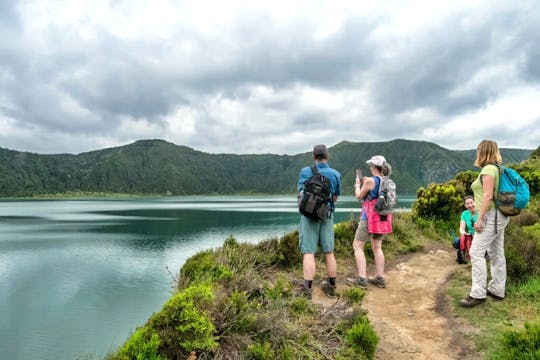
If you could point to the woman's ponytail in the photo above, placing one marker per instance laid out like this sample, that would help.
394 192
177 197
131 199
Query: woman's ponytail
386 169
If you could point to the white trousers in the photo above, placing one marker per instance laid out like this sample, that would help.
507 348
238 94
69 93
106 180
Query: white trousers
492 243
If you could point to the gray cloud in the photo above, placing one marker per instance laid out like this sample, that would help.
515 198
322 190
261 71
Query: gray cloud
423 75
414 82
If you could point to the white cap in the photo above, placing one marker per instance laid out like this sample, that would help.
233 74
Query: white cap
377 160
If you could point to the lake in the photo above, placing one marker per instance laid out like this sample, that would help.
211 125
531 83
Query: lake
78 276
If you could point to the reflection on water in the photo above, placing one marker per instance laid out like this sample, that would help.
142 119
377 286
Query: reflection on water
77 276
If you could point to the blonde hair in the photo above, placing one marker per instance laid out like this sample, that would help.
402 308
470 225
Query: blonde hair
487 152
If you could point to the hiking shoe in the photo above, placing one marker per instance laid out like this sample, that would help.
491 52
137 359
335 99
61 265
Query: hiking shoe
377 281
357 281
328 289
470 302
303 292
495 297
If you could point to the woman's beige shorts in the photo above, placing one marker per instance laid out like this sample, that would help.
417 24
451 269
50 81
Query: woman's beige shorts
362 233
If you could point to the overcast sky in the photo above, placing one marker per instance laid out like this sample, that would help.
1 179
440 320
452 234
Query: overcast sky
250 77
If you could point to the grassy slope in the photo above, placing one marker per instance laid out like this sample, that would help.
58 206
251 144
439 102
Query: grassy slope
254 310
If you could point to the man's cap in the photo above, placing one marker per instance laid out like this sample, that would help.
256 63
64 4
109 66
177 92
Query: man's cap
377 160
319 150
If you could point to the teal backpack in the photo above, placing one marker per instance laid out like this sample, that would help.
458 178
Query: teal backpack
513 194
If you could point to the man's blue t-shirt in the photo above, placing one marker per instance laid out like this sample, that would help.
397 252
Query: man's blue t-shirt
327 171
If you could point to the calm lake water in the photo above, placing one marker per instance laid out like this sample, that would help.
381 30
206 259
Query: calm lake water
78 276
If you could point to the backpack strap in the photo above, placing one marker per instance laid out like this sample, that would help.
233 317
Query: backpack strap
496 191
369 196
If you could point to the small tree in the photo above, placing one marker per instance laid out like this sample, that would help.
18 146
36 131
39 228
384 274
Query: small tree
438 202
531 176
464 180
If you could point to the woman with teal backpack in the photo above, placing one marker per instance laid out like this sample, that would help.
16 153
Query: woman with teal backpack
489 230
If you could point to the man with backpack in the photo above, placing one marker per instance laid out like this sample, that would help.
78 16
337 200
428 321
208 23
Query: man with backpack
319 187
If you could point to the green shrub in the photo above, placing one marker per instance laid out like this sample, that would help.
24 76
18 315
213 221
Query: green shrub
522 344
239 258
142 345
526 218
531 176
235 314
257 351
438 201
301 306
282 288
522 250
230 241
268 253
532 231
527 290
534 205
202 267
289 250
362 338
184 324
404 238
354 295
344 236
463 181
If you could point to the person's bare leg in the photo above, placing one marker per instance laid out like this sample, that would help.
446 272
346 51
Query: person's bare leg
378 255
331 265
309 266
360 257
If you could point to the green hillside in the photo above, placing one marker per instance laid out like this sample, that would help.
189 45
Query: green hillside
160 167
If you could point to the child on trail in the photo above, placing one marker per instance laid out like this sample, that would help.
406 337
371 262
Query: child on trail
466 226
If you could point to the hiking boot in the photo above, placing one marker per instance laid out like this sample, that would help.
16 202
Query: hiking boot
357 281
495 297
377 281
328 289
303 292
470 302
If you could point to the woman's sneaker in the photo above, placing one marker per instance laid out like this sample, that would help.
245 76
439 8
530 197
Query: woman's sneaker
357 281
377 281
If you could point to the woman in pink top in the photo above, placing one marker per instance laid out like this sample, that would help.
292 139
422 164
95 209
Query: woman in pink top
371 226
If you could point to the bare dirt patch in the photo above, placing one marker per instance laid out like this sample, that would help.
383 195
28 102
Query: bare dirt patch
412 315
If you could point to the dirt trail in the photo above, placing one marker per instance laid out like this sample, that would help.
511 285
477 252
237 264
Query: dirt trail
410 315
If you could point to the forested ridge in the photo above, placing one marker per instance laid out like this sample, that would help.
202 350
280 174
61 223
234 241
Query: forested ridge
160 167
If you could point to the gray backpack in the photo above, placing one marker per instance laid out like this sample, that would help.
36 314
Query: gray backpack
387 196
